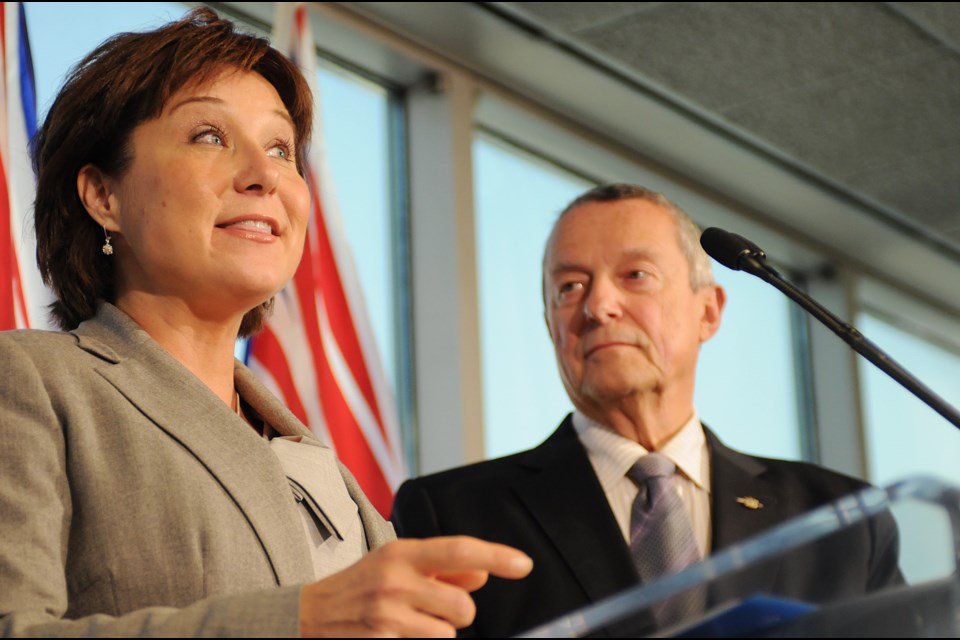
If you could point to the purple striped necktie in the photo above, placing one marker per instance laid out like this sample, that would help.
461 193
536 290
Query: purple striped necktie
662 540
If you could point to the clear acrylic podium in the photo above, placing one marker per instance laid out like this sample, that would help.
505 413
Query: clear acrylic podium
927 604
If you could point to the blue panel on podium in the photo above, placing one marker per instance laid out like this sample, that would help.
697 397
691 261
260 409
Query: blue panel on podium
751 617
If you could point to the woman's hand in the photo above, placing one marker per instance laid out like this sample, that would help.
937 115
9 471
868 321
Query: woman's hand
408 588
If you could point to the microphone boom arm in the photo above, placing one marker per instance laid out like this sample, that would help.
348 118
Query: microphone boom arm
752 260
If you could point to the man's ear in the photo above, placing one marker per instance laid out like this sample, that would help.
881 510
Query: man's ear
714 298
98 196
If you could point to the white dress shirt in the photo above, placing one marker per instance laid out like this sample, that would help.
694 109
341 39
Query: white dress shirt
612 455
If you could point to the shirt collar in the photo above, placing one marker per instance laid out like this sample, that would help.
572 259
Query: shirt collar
612 455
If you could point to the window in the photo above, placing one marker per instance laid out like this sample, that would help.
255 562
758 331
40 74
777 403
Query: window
747 387
518 197
904 437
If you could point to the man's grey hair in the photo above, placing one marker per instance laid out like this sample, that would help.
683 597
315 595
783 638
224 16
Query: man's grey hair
688 233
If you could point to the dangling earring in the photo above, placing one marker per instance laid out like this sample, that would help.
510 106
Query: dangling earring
107 247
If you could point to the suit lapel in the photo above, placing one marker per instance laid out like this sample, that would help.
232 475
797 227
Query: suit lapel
175 401
736 479
281 419
267 406
565 498
377 530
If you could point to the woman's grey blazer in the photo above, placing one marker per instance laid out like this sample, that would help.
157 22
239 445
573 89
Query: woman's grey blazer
134 502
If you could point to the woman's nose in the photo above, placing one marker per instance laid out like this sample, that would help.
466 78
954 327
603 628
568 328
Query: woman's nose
256 172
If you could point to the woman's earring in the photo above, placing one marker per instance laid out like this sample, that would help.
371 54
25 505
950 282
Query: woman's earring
107 247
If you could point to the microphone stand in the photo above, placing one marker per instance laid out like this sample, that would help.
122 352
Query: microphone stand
753 262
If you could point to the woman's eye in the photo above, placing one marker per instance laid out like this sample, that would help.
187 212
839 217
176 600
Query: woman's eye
281 149
210 137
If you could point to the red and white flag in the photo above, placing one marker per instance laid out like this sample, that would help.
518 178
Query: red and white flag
317 351
23 297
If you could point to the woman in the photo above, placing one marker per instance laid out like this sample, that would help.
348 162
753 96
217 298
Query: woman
148 484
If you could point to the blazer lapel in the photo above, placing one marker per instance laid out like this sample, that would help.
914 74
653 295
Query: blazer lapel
268 407
378 532
564 496
178 403
743 504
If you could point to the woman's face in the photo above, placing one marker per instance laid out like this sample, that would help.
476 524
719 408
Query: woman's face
211 212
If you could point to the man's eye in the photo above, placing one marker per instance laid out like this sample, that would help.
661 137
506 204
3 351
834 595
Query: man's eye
567 290
639 274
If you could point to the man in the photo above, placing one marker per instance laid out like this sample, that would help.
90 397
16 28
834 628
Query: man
629 298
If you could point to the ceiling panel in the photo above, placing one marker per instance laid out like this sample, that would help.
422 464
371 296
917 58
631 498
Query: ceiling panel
833 124
867 95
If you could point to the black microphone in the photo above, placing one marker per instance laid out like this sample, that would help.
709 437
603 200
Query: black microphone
737 253
732 251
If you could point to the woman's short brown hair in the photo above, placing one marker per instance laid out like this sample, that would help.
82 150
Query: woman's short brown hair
125 81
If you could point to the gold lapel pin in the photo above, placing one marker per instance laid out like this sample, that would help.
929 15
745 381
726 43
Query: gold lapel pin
750 502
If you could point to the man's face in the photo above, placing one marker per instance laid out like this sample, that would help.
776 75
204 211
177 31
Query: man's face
622 315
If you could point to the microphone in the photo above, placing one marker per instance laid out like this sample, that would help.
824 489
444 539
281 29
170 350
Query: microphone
737 253
732 251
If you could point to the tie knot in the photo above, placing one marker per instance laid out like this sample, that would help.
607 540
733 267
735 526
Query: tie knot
652 465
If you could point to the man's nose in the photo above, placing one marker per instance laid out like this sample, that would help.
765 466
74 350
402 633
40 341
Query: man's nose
603 301
256 171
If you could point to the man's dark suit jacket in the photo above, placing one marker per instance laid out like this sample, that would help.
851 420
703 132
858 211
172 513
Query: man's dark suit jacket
549 503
